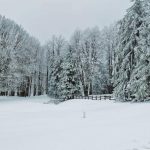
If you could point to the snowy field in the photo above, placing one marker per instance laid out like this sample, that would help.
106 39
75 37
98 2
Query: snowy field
28 124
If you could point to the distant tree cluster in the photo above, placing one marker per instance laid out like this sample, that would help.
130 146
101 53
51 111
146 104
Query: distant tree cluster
82 66
114 60
20 61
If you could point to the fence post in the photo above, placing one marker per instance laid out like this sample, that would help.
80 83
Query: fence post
99 97
96 97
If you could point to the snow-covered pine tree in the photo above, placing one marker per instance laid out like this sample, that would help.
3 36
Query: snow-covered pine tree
129 50
55 79
55 49
140 77
69 84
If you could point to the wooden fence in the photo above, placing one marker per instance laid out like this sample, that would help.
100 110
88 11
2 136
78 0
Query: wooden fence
90 97
95 97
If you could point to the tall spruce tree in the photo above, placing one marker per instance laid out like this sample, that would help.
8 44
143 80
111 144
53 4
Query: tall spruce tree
56 48
133 34
69 84
140 77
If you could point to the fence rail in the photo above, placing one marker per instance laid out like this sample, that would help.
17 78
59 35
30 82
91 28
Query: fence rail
101 97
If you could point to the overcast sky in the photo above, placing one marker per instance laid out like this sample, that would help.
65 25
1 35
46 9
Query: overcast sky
43 18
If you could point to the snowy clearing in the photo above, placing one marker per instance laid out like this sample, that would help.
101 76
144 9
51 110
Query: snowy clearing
28 124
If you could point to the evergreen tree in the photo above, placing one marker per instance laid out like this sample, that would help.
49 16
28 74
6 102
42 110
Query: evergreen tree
130 53
140 77
55 52
55 79
69 85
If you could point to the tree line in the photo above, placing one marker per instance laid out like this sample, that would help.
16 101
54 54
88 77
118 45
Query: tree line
20 61
114 60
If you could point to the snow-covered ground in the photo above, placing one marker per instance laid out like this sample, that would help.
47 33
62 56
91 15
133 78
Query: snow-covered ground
28 124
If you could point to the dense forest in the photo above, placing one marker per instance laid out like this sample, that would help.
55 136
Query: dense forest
114 60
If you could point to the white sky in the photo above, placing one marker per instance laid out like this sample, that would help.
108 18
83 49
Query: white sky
43 18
